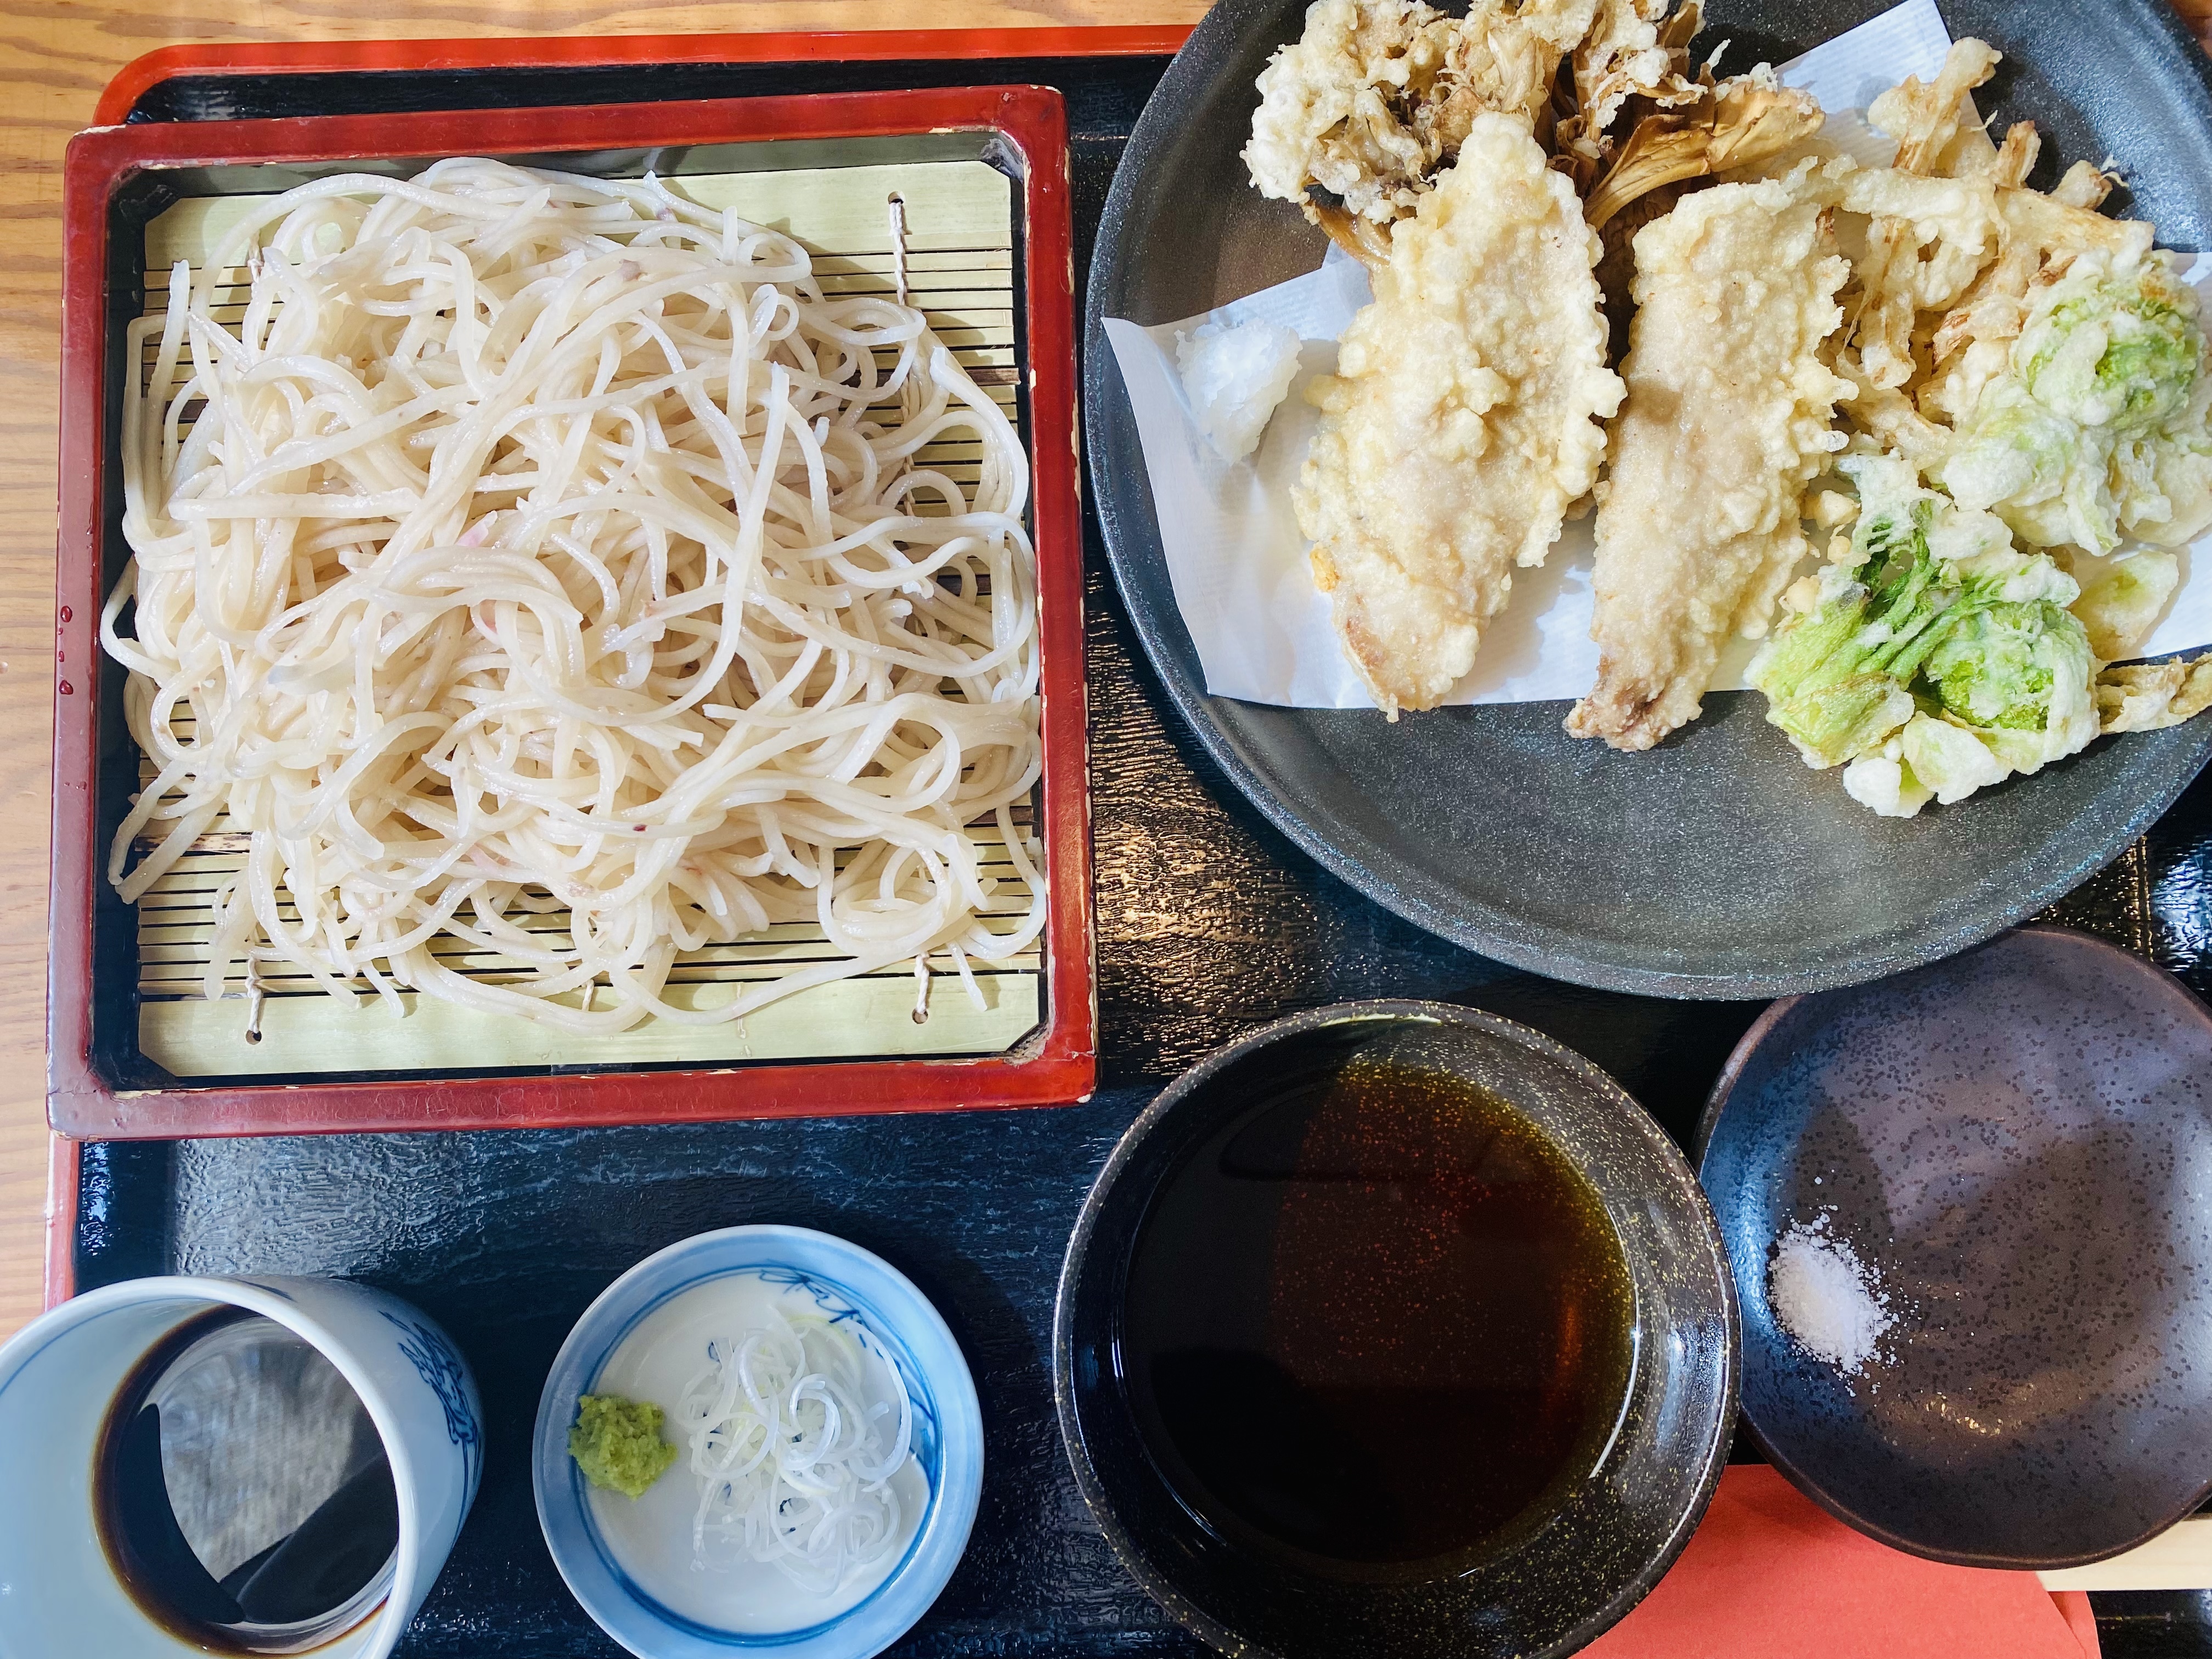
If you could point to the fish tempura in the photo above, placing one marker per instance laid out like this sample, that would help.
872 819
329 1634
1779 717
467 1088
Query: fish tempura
1463 419
1730 415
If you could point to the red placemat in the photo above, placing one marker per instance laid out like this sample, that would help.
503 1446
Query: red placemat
1772 1576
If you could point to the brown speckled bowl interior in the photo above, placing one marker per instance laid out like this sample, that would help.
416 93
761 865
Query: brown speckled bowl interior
1606 1538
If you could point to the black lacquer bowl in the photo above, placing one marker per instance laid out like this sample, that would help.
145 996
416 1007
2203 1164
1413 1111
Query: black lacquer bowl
1548 1586
2016 1146
1716 864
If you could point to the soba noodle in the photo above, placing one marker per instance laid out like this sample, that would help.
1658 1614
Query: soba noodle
546 544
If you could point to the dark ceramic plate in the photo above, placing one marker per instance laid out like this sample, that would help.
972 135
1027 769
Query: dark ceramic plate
1587 1549
2017 1147
1717 865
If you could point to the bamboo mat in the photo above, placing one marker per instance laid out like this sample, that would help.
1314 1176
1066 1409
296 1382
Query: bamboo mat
960 270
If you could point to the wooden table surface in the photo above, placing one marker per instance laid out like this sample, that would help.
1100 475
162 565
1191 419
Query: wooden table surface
55 57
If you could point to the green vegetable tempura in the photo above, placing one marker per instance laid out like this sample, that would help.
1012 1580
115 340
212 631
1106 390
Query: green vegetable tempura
617 1445
2096 429
1936 659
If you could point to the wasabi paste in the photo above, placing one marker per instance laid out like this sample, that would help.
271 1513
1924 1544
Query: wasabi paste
618 1444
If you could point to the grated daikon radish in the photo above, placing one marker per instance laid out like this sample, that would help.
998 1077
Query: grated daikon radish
1235 374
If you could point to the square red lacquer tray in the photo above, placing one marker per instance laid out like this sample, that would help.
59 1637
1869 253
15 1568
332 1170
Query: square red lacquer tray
97 1083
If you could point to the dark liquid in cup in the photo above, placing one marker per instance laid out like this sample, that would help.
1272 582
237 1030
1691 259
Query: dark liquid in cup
243 1494
1376 1319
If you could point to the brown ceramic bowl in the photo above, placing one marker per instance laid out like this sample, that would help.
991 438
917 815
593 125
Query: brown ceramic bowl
1605 1534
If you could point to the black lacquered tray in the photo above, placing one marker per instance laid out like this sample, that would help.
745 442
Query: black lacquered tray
1209 921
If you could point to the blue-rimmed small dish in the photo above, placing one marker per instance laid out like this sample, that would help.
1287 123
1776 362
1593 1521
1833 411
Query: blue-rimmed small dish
947 1441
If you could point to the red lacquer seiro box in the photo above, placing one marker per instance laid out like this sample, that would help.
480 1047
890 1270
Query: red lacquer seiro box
130 1058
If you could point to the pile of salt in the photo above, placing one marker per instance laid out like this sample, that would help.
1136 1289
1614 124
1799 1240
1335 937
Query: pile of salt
1825 1298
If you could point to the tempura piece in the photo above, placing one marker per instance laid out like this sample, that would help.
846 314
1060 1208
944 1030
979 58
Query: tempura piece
2097 430
1973 244
2084 186
1925 119
1891 418
1933 219
1633 51
1969 345
2122 596
1374 98
2038 237
1506 55
1954 230
1728 418
1463 418
1934 659
1729 125
2149 696
1349 106
2008 164
1361 114
1919 261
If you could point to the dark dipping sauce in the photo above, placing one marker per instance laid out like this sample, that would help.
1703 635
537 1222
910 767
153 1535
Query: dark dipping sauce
1377 1319
242 1494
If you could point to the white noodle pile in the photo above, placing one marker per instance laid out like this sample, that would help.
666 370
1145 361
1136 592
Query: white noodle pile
545 543
793 1439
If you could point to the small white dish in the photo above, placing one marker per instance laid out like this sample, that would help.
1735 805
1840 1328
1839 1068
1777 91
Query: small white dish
589 1533
60 1374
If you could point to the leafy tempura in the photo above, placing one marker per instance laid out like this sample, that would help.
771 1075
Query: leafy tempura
1935 658
2097 427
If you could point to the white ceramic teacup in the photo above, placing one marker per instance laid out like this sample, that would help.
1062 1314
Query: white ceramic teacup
58 1593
